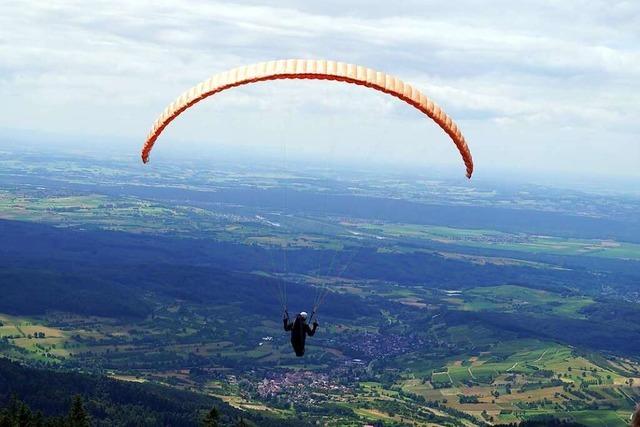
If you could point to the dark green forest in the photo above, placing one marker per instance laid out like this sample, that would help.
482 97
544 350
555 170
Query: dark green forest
45 397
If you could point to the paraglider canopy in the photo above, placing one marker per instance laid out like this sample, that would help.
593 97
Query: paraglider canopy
312 70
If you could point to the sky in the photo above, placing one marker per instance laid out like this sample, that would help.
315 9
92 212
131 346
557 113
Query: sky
541 87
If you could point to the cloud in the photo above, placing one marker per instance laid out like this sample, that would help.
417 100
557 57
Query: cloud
540 67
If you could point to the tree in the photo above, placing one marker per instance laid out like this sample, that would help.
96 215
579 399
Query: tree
78 417
211 419
241 423
23 415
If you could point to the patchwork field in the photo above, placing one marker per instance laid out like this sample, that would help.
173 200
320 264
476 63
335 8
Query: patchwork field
32 340
491 239
518 380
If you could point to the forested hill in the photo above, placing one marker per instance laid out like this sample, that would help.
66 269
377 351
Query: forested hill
110 402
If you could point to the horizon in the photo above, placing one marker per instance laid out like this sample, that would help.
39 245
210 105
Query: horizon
546 89
608 185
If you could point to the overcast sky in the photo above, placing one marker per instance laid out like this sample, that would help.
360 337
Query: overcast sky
540 86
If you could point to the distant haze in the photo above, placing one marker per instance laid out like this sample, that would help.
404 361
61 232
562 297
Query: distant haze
537 87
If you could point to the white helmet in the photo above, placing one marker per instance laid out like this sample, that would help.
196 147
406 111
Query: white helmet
303 314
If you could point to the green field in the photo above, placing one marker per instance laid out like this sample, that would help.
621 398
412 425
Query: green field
491 239
510 298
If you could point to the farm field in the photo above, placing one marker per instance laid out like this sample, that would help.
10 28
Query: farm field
492 239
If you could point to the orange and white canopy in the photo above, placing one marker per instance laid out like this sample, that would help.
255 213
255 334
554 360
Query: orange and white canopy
312 70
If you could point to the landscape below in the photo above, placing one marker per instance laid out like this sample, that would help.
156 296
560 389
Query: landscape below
447 304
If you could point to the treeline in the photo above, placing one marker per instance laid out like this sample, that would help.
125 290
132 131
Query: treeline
123 292
594 333
395 210
109 273
543 421
42 288
48 395
19 414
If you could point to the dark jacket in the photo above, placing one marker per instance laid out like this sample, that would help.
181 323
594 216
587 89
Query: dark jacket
299 331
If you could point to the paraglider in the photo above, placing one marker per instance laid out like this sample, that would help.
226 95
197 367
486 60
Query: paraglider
309 70
313 70
299 330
